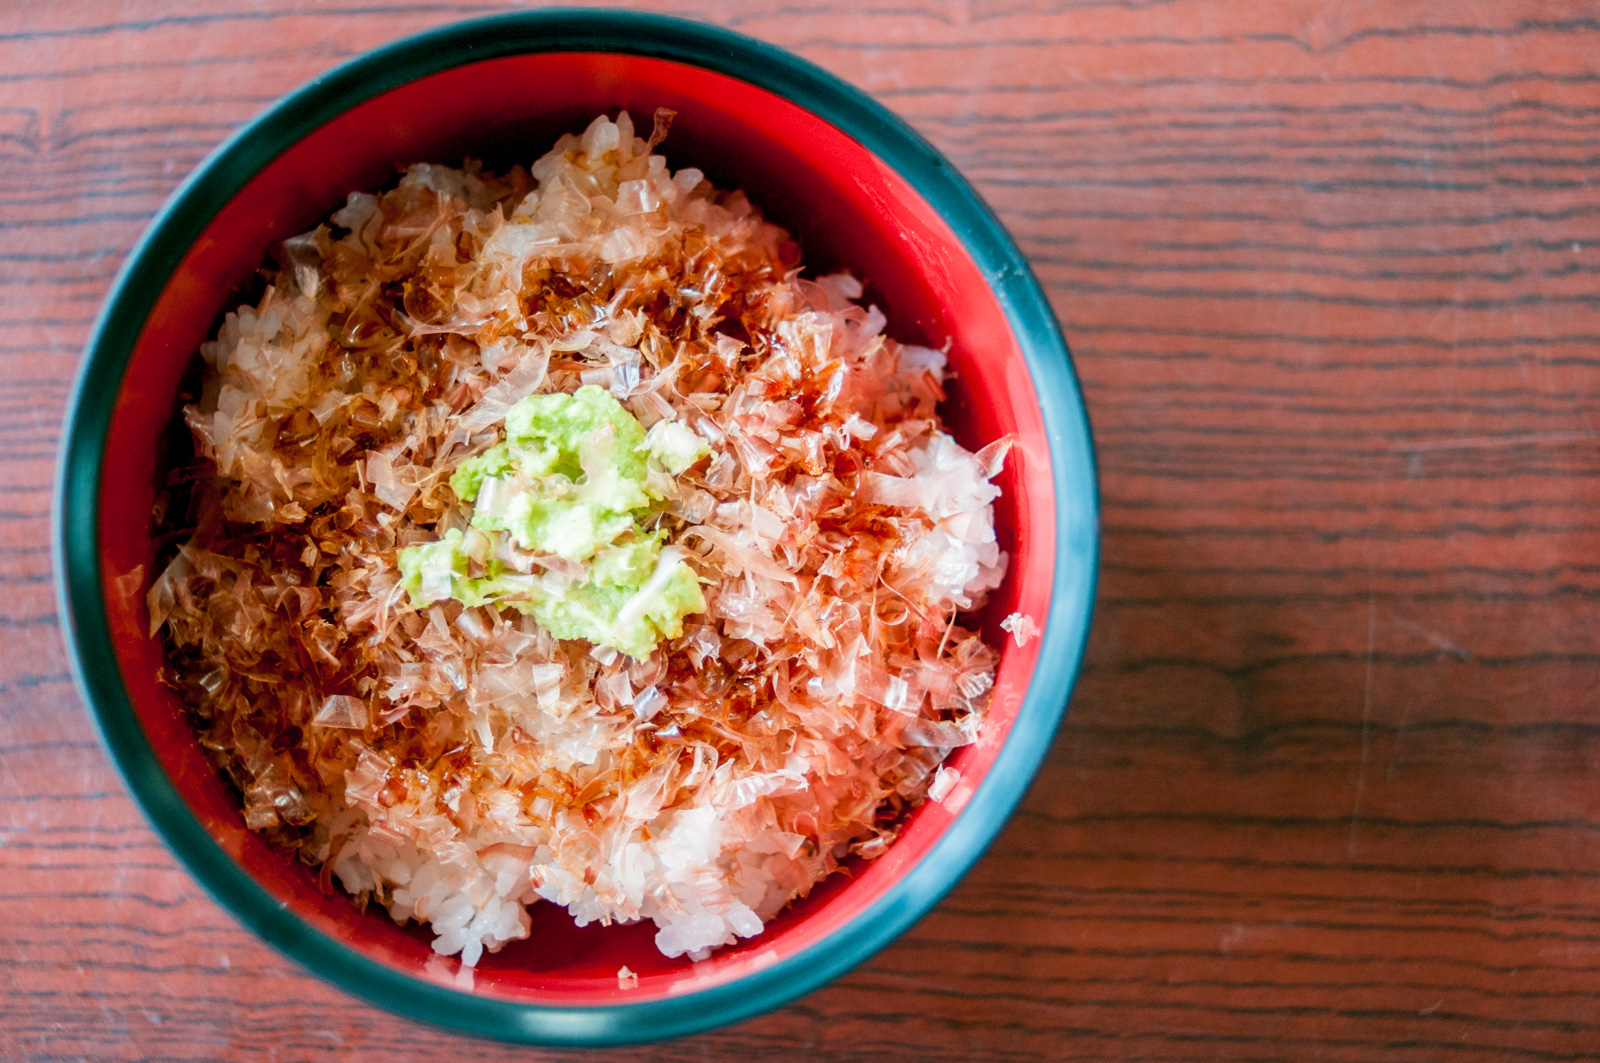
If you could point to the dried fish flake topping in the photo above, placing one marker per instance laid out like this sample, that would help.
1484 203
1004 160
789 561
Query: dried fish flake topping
440 745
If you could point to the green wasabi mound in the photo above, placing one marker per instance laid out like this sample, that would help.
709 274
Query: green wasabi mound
570 480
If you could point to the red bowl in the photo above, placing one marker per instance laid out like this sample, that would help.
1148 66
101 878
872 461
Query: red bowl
861 191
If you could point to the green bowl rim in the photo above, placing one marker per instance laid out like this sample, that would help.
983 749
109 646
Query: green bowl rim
75 538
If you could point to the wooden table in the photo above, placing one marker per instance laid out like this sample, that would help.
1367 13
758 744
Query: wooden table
1330 785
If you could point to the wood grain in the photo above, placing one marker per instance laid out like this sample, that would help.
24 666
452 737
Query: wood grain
1329 786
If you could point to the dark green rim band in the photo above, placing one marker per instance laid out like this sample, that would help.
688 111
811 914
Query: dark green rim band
218 179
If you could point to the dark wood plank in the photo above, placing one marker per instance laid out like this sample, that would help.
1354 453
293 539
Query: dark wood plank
1330 788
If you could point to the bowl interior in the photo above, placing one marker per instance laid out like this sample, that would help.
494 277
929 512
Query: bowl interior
847 208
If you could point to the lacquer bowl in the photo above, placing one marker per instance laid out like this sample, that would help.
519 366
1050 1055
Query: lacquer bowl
861 191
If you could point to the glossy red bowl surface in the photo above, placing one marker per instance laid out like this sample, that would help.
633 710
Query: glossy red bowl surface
848 207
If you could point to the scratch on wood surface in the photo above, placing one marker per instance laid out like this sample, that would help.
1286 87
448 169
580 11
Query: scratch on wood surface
1435 638
1568 950
1396 741
1366 696
1521 439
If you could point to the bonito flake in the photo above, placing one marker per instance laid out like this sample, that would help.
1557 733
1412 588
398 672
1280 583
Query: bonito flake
458 763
